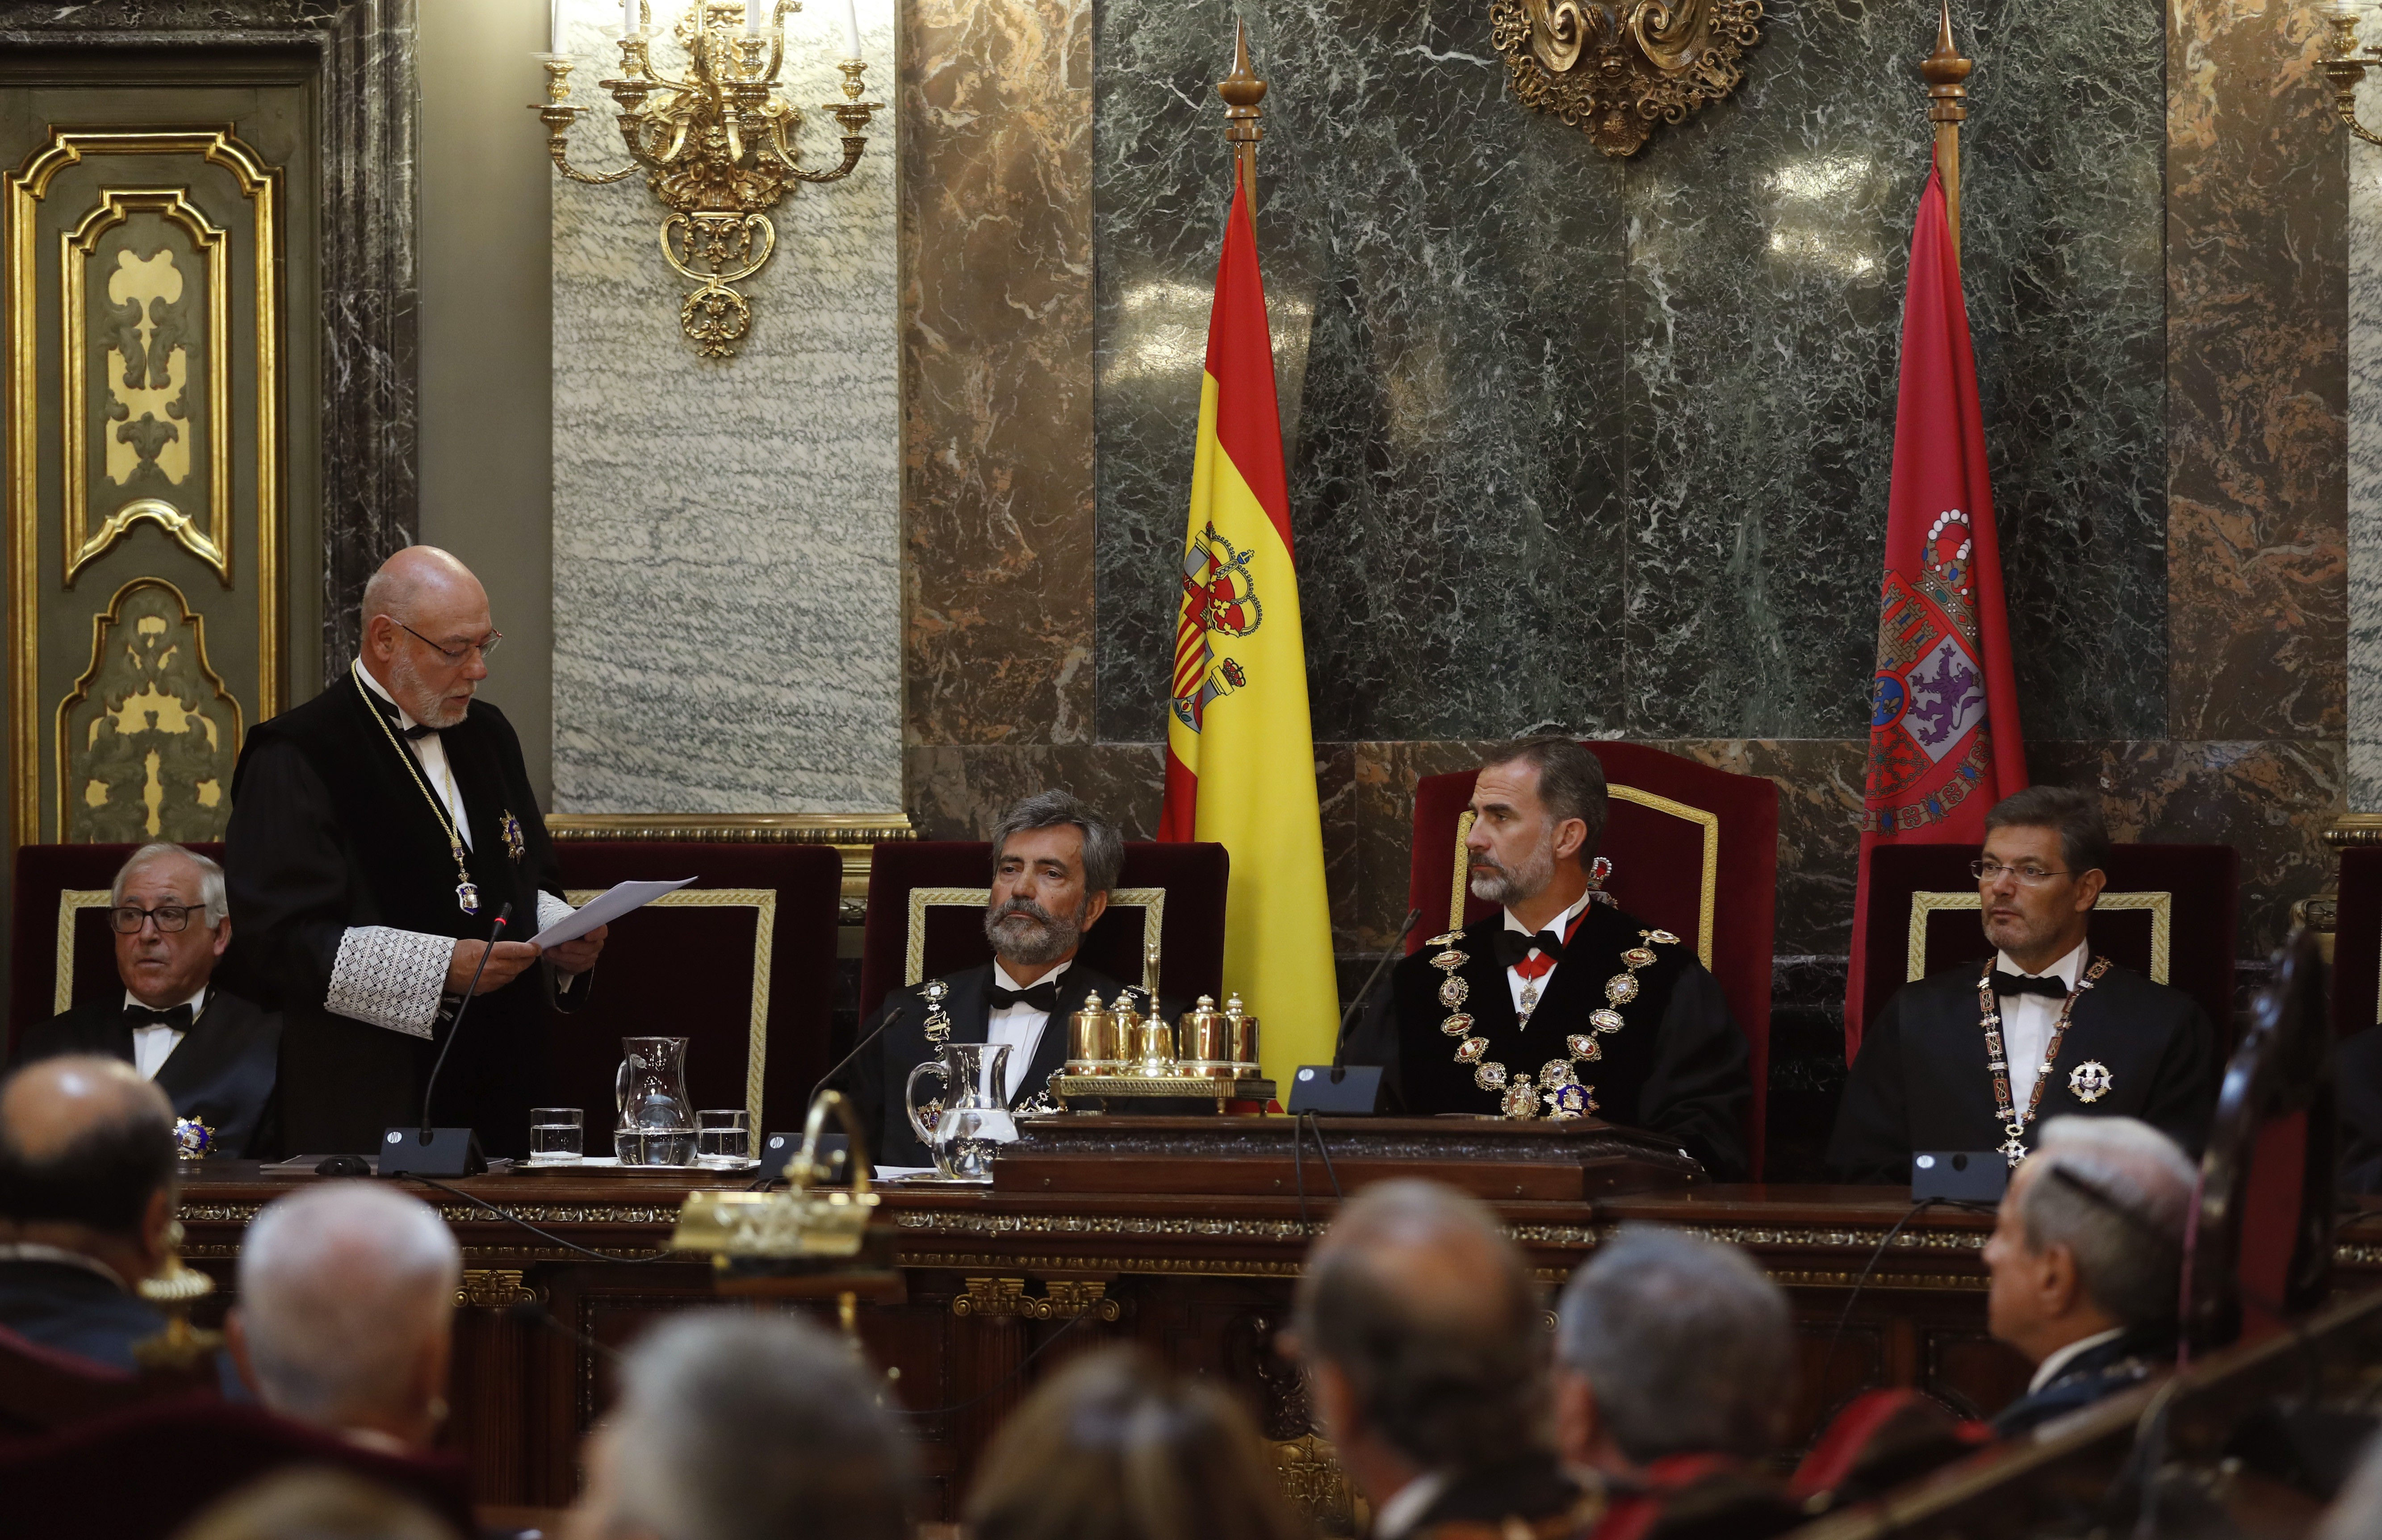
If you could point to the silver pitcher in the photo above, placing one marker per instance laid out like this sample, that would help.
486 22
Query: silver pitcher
972 1120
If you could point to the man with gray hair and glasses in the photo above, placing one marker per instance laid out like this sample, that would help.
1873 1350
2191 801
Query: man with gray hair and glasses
1054 862
211 1053
2087 1264
737 1426
1675 1372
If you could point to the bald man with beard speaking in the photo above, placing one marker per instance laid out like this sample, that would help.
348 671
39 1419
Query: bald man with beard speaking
377 831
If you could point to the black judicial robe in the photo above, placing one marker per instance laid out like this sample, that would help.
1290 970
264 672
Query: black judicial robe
221 1073
331 830
2357 1072
1678 1066
1920 1081
875 1079
2092 1375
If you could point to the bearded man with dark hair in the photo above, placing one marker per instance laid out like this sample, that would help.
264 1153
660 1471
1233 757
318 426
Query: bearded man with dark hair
1054 862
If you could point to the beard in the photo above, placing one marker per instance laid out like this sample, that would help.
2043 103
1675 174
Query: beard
1507 885
1043 939
406 684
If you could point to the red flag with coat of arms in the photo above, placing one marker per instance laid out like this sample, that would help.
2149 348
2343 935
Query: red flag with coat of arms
1944 741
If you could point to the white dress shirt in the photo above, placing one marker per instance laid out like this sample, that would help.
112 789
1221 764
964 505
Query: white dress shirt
430 753
151 1046
2059 1357
1019 1025
2027 1020
1514 979
1408 1504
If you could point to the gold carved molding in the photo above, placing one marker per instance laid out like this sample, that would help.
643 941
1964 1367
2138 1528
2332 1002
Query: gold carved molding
1062 1300
22 193
493 1288
1617 72
193 750
2161 907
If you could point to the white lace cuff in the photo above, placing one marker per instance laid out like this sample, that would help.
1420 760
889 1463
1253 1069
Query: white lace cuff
390 977
551 910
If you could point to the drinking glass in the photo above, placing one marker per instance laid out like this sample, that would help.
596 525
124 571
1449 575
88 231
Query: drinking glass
654 1146
723 1137
558 1135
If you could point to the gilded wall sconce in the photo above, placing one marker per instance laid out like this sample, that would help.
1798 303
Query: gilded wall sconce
717 146
1616 72
2345 66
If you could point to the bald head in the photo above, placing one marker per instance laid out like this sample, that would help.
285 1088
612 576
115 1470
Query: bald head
84 1142
427 632
1426 1308
347 1301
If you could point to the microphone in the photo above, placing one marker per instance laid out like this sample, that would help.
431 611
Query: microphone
1340 1042
866 1038
430 1151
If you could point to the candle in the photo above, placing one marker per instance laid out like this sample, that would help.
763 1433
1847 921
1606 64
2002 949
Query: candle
627 17
553 28
850 30
753 9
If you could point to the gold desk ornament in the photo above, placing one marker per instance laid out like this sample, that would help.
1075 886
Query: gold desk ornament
1153 1042
1204 1039
1616 72
1094 1044
717 148
181 1346
1242 1027
802 1224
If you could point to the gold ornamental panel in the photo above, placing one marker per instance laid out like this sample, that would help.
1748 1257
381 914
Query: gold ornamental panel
1616 72
143 334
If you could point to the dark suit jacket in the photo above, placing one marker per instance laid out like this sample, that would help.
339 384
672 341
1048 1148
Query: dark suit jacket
1530 1496
1921 1082
875 1079
75 1311
221 1073
2092 1375
1678 1065
2357 1071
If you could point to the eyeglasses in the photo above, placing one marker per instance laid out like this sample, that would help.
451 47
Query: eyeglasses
2028 877
170 917
486 647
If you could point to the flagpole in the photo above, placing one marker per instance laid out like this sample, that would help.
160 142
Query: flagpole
1947 108
1242 91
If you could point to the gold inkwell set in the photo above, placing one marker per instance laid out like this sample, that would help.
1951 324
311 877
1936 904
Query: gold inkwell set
1119 1061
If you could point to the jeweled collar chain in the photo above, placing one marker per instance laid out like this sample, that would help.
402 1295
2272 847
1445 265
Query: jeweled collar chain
1558 1084
1989 1011
467 892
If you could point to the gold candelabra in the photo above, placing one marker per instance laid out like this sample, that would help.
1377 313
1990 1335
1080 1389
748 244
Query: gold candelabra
2346 65
717 148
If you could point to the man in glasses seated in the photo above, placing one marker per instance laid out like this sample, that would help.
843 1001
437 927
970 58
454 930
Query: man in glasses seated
210 1051
1975 1057
2086 1262
376 833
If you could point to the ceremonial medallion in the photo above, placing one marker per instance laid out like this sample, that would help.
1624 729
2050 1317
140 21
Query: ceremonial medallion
1452 991
1570 1101
1457 1025
1604 1020
938 1021
193 1140
2013 1148
467 895
1450 939
1521 1099
1621 989
1489 1076
1556 1072
1470 1050
515 846
2090 1081
1447 961
1584 1047
1639 956
1664 937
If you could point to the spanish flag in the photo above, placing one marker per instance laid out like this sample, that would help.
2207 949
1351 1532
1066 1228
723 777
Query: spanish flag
1240 755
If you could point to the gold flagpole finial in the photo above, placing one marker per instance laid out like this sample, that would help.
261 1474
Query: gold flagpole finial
1242 91
1946 75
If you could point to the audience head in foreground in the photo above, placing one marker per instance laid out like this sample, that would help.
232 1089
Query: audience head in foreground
1669 1345
1115 1447
346 1312
2086 1262
316 1503
86 1203
1419 1329
736 1426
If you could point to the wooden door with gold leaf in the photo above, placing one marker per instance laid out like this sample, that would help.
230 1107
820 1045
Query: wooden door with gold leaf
149 360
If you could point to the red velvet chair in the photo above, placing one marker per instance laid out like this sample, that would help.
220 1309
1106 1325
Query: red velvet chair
1694 850
61 951
43 1389
2261 1250
141 1475
2168 913
1880 1440
2356 991
925 916
742 963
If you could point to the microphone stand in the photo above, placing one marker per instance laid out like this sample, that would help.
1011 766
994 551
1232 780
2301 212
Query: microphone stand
504 918
1340 1042
429 1151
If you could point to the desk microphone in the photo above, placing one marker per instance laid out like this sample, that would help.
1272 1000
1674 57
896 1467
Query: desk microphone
443 1151
1343 1088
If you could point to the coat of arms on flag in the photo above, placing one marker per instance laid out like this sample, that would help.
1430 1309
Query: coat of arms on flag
1928 746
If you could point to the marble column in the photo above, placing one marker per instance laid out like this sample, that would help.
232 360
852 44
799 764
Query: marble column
726 588
2365 454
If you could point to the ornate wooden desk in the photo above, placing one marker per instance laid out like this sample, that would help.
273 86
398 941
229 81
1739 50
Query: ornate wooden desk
993 1277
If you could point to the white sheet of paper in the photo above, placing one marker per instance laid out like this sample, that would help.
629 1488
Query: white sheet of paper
604 909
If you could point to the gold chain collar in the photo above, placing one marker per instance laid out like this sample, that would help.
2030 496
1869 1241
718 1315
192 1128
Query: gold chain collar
1558 1084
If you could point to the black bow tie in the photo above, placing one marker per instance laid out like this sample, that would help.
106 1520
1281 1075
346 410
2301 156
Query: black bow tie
179 1019
2049 986
1043 997
1512 946
389 714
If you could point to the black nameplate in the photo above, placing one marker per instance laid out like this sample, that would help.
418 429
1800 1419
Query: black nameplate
1351 1091
778 1151
1970 1176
